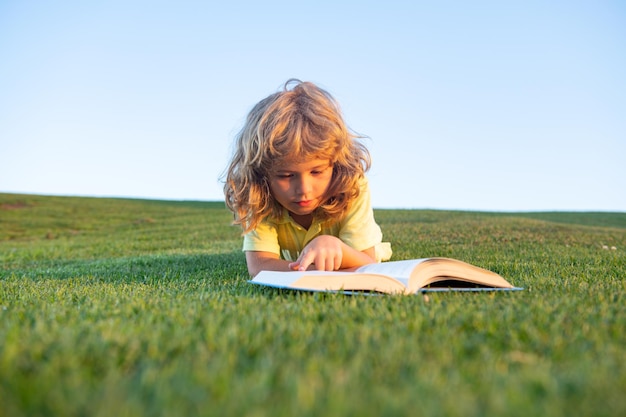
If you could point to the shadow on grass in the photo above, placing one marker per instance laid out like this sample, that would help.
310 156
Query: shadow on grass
153 268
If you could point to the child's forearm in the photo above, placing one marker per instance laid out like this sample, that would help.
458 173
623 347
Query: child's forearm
353 258
262 261
323 253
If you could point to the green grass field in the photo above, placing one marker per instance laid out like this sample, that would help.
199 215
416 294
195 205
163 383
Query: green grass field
113 307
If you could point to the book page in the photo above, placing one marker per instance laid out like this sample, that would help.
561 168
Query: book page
284 279
329 281
401 270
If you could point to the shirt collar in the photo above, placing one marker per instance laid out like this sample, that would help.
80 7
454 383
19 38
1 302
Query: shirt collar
286 218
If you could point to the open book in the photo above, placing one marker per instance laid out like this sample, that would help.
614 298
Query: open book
396 277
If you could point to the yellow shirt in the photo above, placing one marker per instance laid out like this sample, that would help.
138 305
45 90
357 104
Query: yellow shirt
286 238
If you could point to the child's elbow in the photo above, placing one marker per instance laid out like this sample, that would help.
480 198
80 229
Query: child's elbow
253 270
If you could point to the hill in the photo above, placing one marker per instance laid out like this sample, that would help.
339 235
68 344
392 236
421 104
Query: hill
139 307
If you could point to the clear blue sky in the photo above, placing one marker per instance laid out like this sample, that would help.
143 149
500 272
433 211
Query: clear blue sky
485 105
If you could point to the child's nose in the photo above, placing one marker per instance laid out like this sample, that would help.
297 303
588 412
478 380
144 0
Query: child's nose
304 185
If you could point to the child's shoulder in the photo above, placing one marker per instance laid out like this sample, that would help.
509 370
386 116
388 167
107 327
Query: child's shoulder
364 184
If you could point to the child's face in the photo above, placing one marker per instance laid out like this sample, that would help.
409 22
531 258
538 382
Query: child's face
300 186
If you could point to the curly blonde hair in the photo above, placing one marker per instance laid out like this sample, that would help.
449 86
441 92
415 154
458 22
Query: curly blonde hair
299 122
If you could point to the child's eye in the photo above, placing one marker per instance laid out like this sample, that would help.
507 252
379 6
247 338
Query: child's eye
318 171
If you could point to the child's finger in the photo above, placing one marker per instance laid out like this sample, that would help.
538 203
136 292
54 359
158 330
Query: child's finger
305 260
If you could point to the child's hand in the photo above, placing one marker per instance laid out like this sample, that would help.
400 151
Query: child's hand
324 252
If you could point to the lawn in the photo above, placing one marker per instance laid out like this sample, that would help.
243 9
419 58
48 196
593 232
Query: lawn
120 307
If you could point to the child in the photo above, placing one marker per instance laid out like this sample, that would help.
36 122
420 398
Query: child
296 184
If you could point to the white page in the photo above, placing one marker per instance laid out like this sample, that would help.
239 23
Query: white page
283 279
400 270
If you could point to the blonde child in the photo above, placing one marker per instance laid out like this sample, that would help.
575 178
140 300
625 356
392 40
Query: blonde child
296 184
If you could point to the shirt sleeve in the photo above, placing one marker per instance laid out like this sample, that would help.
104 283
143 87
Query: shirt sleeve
264 239
359 228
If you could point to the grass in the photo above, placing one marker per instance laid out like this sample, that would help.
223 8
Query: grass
136 307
